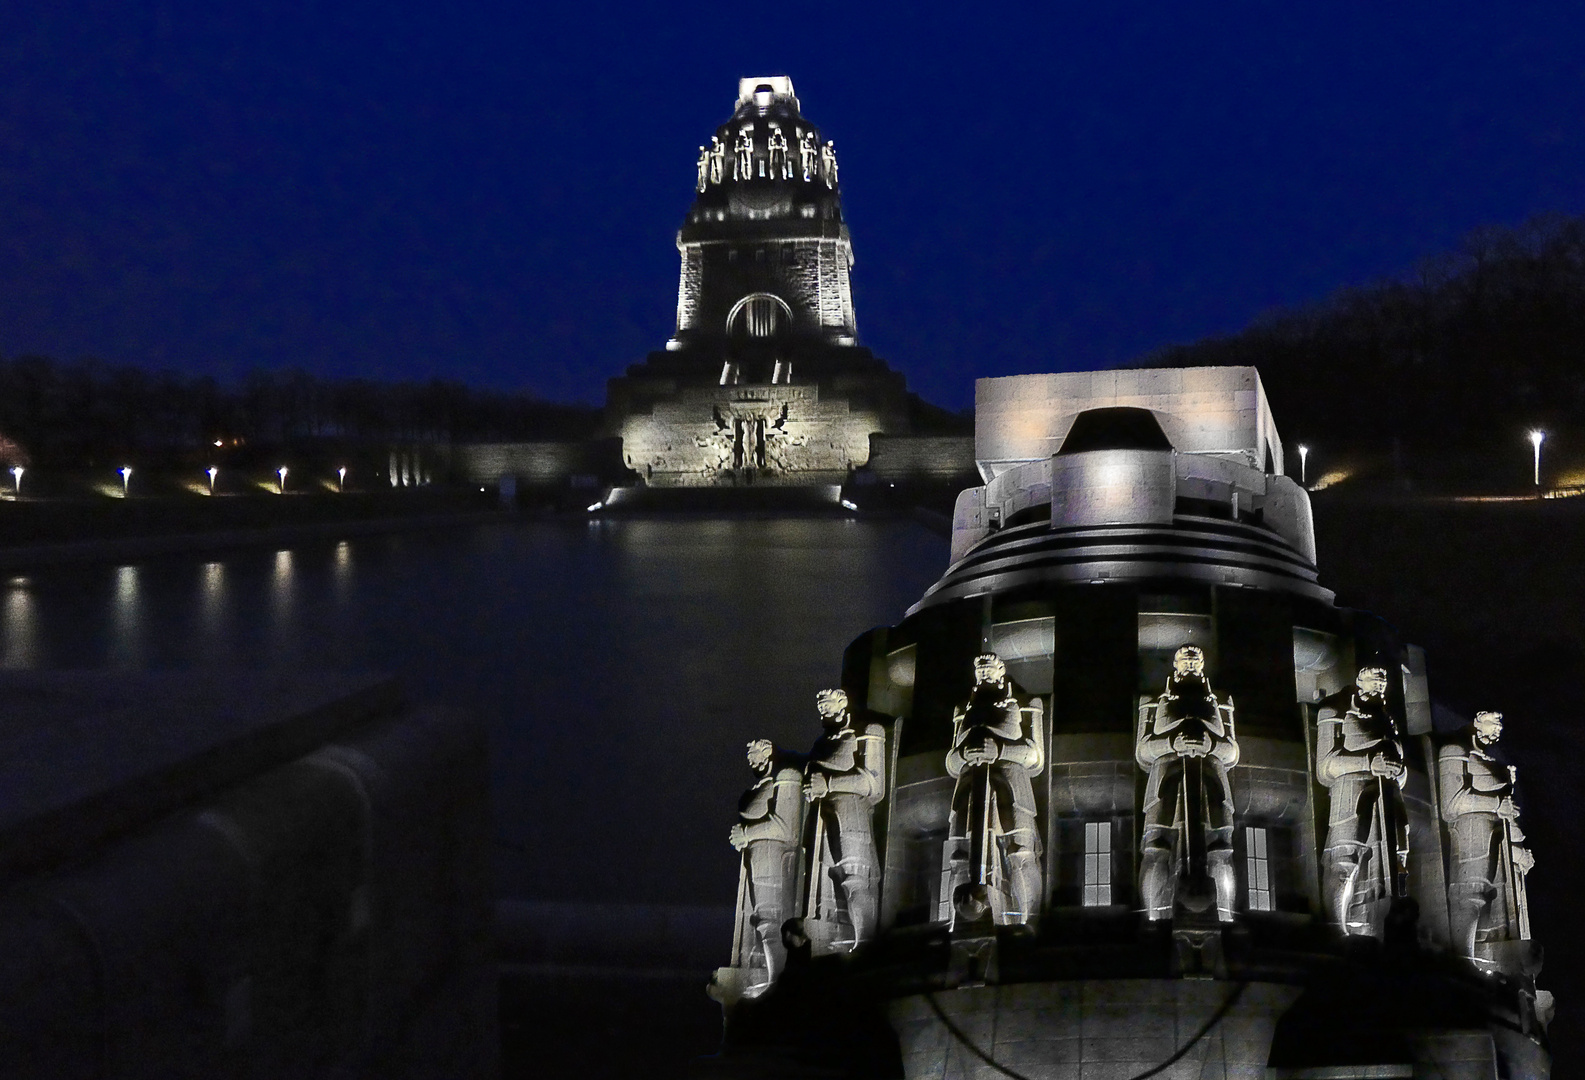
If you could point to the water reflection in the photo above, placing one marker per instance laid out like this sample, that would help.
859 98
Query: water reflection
620 664
126 620
213 639
343 573
21 630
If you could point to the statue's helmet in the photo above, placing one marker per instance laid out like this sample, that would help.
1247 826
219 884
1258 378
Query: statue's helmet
1372 681
1488 726
989 668
831 703
1189 660
760 752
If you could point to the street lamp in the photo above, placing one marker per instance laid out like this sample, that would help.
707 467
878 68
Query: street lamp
16 474
281 472
1304 457
1536 438
341 478
212 471
126 480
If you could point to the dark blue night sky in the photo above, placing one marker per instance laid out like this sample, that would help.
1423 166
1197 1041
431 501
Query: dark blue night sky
489 193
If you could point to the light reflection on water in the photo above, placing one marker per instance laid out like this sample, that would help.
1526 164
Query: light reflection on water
621 665
21 626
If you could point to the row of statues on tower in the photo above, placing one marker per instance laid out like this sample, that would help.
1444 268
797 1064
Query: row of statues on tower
810 867
1187 744
814 160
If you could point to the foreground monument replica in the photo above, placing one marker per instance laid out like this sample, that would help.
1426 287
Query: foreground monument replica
764 382
1081 867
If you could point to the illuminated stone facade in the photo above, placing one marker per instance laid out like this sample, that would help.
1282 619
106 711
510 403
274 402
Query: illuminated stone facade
1157 804
763 381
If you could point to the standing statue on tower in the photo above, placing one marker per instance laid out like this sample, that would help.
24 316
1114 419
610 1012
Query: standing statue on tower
828 163
771 813
717 159
844 779
1359 757
1186 743
808 155
743 166
1483 824
780 167
992 854
703 179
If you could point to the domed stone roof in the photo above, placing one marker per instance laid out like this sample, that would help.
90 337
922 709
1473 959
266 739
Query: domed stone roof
767 163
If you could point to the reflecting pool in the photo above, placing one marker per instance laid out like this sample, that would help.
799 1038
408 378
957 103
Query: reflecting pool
621 665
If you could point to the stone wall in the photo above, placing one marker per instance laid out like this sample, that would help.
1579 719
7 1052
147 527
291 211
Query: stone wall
914 458
1112 1028
809 273
215 877
1208 410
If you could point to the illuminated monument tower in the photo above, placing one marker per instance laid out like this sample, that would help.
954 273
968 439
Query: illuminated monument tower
1128 794
763 381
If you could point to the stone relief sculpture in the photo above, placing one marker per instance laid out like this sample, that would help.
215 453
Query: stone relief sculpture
743 164
768 835
718 444
992 856
808 155
828 163
1186 743
844 779
1488 860
1359 758
780 166
717 160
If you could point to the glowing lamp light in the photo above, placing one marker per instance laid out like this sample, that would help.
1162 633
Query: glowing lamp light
846 505
591 508
281 472
1536 438
220 442
126 480
1304 460
341 479
212 471
16 474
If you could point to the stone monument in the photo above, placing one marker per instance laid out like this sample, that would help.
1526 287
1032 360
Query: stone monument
1487 864
1084 870
768 834
1359 757
763 381
992 857
845 778
1186 745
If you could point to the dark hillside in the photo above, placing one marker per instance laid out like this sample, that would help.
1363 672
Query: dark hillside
1469 352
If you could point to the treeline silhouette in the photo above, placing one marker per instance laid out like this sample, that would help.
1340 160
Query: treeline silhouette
1469 351
89 412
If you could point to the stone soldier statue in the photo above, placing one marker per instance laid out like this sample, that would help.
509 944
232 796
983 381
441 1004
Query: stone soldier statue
743 166
1483 824
845 778
702 181
828 163
768 836
808 155
1187 743
780 166
994 754
717 160
1359 757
